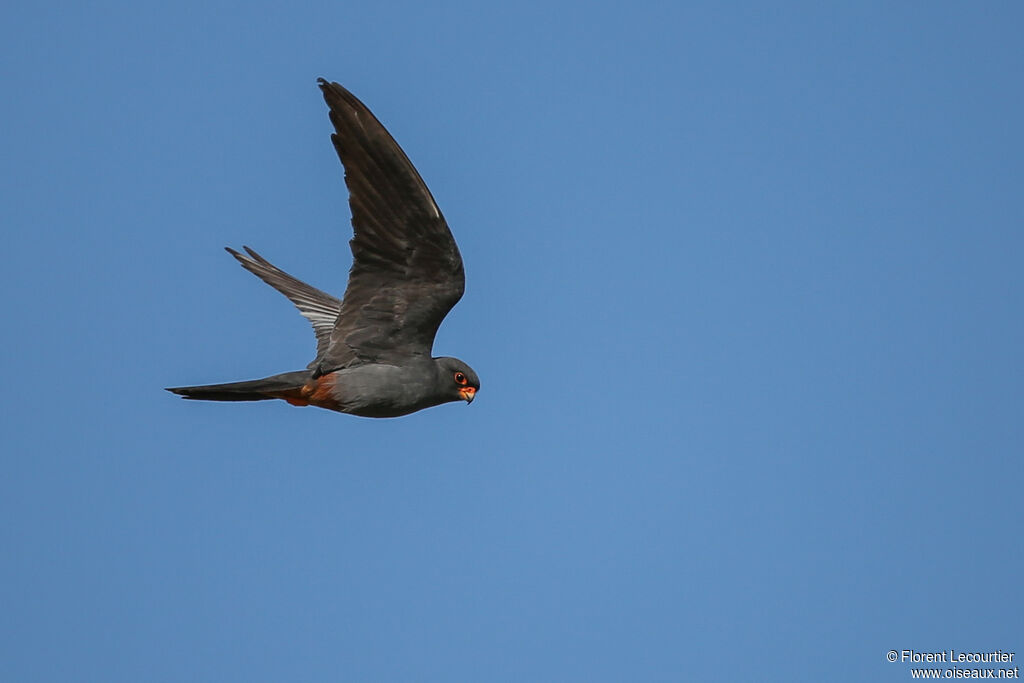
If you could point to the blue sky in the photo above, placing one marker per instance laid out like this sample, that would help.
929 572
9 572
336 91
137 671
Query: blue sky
743 290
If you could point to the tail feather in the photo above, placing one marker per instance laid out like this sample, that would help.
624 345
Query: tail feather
252 390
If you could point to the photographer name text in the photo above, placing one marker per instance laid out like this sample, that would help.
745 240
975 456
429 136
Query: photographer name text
955 656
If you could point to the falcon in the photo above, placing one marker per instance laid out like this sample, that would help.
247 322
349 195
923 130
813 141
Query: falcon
373 347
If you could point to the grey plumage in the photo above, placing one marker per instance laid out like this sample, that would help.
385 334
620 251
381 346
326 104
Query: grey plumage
319 308
407 272
374 345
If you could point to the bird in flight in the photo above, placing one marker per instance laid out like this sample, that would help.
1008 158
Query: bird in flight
374 346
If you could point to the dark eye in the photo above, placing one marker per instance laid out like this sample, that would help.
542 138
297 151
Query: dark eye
460 378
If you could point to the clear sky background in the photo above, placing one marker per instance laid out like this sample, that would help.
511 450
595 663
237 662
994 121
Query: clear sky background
743 290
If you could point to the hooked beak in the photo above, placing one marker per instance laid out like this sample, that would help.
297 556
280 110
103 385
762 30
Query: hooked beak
467 394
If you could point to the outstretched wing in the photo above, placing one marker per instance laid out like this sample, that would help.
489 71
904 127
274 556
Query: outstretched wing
407 272
319 308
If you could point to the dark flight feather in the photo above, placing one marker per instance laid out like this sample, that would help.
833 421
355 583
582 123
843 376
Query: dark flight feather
407 272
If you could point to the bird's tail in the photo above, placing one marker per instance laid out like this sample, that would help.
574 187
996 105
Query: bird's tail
278 386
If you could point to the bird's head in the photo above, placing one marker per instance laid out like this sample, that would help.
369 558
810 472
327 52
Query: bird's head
457 380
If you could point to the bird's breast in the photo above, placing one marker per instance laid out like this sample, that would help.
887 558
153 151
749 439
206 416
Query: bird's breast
377 390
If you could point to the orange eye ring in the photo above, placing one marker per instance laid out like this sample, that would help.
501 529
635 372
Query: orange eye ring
461 379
